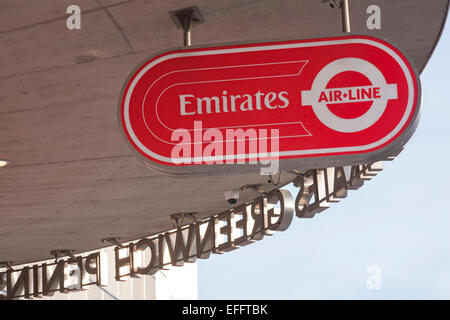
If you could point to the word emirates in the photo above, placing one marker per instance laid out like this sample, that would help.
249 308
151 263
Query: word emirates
191 105
217 234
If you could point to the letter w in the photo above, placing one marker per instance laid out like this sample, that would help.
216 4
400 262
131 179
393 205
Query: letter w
183 250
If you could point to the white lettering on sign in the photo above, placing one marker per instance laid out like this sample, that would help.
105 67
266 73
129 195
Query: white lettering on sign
356 94
190 104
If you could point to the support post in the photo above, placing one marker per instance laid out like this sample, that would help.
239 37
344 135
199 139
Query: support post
345 16
184 19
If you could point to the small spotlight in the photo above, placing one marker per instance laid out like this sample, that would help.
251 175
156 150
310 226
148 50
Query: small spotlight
4 163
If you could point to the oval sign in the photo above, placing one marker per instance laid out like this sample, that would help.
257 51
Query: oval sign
307 103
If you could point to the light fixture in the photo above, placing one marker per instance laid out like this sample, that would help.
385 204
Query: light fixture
4 163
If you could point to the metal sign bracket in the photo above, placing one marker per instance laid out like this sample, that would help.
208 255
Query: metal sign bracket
345 14
179 217
58 253
184 19
113 240
7 264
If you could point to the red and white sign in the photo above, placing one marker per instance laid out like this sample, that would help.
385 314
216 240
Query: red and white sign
332 100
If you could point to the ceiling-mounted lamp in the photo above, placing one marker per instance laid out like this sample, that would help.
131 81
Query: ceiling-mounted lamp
4 163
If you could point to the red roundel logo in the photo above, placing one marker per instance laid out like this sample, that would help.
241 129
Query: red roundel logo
373 97
341 100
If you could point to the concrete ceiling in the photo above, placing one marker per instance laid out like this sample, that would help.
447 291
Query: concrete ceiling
73 180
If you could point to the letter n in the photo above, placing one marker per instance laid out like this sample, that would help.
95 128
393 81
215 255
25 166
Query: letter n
22 283
49 285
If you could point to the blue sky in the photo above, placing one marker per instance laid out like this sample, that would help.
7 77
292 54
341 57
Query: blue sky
398 221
